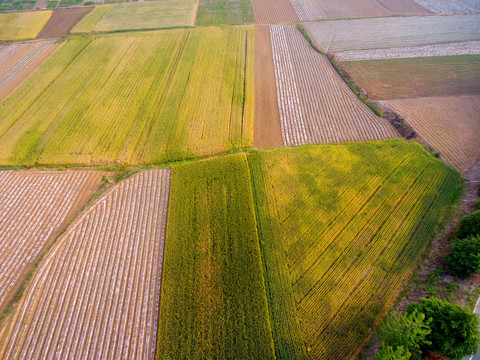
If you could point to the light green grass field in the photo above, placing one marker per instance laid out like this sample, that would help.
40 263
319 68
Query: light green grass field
22 25
340 230
224 12
213 301
138 15
134 98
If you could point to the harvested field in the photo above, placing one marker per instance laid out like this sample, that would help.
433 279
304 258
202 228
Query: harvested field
22 25
224 12
134 98
213 302
138 15
450 124
17 61
62 21
315 105
270 11
341 228
324 9
417 77
451 6
460 48
376 33
267 130
96 294
34 207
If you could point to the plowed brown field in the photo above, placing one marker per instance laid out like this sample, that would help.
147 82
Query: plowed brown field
62 21
315 105
18 60
451 124
34 207
96 295
267 130
270 11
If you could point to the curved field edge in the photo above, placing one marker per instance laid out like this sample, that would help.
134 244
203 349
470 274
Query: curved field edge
305 175
213 302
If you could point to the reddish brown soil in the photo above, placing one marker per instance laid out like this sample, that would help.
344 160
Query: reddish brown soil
14 82
62 21
267 130
386 7
271 11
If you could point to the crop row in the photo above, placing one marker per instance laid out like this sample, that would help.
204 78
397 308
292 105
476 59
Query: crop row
315 105
224 12
451 6
324 9
97 293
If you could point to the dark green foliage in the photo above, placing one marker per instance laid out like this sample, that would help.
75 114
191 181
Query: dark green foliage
388 352
464 259
454 328
469 225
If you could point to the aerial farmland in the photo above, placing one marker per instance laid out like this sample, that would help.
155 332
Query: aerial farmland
238 179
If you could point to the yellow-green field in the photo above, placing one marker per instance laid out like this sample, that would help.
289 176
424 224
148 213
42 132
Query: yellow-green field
138 15
340 230
22 25
134 98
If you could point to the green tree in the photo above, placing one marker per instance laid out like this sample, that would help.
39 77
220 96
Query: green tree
469 225
464 258
454 328
388 352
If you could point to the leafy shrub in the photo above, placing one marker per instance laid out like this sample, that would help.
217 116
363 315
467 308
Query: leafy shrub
388 352
464 259
469 225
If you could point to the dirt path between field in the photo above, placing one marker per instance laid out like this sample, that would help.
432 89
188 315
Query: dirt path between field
62 21
267 130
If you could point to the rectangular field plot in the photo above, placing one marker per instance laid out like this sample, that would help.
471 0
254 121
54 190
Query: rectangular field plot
224 12
341 228
138 15
315 104
134 98
34 207
417 77
213 302
22 25
18 60
269 11
376 33
96 295
450 124
451 6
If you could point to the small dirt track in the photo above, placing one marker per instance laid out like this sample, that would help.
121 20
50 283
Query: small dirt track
62 21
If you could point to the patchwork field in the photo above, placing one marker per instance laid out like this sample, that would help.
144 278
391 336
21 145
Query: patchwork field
269 11
96 294
34 207
315 104
340 229
358 34
18 60
459 48
62 21
22 25
451 6
224 12
138 15
134 98
416 77
213 302
450 124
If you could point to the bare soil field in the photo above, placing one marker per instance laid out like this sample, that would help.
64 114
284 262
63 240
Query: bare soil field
270 11
17 61
451 124
267 130
62 21
451 6
324 9
377 33
96 294
34 207
417 77
460 48
315 104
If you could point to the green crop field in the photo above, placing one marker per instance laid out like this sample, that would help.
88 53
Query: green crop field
134 98
22 25
340 229
138 15
224 12
213 301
